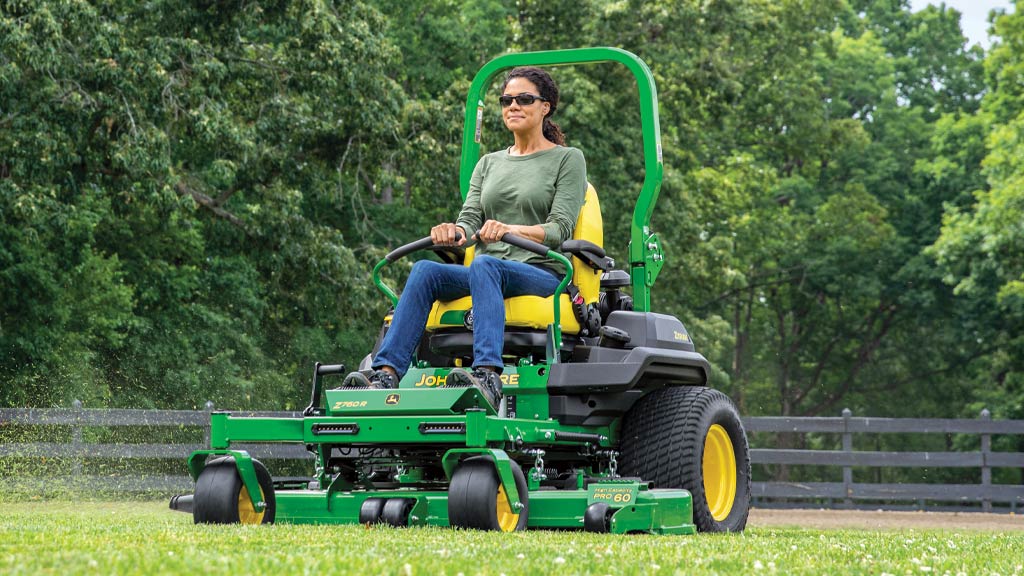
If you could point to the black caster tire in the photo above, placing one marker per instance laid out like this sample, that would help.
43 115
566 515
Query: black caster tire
371 511
396 511
477 500
691 437
598 518
221 498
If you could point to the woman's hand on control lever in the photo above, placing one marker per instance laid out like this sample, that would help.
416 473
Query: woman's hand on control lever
444 235
492 231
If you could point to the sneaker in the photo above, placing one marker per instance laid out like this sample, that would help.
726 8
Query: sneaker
373 379
487 381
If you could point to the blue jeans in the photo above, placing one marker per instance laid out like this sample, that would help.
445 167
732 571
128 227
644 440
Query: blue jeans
488 279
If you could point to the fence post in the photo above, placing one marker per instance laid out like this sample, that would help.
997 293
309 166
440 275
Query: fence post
986 470
76 440
206 427
847 448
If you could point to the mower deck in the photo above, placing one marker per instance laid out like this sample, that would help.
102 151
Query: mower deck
652 511
458 423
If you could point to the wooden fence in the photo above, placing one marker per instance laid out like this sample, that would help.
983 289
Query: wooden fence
846 493
849 493
77 451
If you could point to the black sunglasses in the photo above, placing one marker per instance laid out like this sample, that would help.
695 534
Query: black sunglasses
524 99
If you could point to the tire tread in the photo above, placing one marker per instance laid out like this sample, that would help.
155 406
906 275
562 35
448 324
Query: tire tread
663 442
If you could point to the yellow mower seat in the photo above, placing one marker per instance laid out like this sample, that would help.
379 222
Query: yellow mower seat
536 312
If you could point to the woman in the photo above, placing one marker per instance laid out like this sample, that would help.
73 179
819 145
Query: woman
533 189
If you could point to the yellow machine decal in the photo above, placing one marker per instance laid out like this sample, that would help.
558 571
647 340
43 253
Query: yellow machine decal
392 399
431 381
613 494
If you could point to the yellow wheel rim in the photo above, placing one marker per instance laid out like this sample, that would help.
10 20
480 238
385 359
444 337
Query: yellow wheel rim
507 521
719 471
246 513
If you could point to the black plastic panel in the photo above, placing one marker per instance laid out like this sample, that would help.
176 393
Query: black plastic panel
652 330
637 368
591 409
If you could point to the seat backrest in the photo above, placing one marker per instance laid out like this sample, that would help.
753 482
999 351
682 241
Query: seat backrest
590 227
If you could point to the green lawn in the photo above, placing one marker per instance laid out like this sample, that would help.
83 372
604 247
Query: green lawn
147 538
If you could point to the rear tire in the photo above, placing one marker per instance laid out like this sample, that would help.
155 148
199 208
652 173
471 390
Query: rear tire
476 498
221 497
692 438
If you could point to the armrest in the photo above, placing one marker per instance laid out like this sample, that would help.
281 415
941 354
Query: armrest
590 253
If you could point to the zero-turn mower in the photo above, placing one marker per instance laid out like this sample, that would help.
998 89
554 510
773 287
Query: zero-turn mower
607 422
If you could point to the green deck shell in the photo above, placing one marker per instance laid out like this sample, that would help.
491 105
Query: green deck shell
655 511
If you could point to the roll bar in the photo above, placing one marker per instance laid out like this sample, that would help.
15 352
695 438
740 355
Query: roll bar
645 254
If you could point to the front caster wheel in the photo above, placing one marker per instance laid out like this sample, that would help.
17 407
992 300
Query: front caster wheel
396 511
598 518
476 498
371 511
221 498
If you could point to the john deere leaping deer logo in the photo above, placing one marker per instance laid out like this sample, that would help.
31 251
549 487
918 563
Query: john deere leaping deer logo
391 399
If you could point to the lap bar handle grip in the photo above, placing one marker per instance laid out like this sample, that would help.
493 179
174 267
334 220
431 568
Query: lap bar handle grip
414 246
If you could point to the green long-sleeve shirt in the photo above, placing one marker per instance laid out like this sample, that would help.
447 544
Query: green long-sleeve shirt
545 188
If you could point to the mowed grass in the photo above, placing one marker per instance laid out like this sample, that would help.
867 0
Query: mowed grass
147 538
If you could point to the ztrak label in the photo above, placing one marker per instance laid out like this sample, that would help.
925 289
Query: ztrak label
349 404
611 494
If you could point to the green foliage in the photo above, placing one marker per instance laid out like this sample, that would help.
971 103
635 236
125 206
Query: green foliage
981 247
173 196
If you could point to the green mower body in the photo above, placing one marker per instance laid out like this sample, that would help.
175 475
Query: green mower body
609 430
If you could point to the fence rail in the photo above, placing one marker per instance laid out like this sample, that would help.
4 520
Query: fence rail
820 493
986 493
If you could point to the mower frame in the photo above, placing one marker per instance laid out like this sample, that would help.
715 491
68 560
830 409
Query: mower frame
426 432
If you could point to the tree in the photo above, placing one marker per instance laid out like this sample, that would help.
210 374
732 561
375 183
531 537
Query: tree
981 247
201 157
